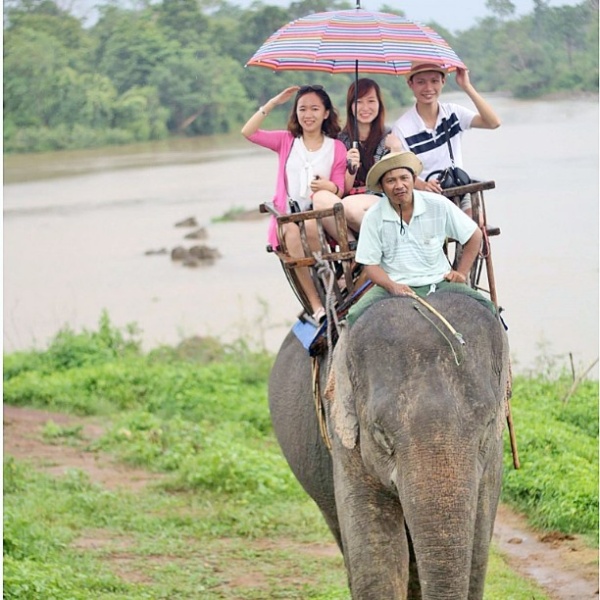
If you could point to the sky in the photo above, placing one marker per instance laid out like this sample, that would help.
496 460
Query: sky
454 15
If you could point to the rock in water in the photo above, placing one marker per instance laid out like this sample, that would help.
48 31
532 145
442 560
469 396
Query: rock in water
199 234
204 252
179 253
189 222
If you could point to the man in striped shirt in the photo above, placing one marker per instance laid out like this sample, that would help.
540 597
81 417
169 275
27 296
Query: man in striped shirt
401 243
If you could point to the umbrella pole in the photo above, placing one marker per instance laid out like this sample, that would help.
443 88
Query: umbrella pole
352 169
356 103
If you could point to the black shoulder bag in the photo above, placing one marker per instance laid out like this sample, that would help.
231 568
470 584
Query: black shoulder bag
452 176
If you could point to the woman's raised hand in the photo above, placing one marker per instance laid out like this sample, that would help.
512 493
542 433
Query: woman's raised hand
285 95
254 122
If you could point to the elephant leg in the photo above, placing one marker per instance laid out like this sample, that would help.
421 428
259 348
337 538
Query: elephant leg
489 495
374 536
297 429
414 587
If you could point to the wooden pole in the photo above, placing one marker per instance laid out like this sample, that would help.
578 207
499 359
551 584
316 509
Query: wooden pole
577 381
513 437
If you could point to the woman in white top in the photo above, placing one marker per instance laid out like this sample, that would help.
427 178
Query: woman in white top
311 160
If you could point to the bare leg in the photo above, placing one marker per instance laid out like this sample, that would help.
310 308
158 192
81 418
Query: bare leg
354 208
293 242
325 199
466 206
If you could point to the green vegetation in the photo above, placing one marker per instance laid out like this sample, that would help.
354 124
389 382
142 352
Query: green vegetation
230 215
557 485
224 517
176 67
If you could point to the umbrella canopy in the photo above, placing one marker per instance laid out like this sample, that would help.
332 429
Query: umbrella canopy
338 41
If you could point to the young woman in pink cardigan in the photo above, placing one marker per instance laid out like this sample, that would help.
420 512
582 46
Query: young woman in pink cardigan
310 159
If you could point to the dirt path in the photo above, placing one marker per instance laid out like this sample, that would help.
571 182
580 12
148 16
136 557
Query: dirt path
562 565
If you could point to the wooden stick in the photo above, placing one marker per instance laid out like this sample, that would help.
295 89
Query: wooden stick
512 435
573 375
579 379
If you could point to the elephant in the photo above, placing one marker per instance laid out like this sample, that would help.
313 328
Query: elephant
410 484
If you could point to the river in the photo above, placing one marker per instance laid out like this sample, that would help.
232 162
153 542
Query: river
77 226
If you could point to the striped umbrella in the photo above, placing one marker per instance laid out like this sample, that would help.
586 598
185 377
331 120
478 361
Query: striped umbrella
338 41
341 41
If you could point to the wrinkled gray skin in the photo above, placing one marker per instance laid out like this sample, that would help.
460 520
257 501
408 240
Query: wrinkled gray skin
416 462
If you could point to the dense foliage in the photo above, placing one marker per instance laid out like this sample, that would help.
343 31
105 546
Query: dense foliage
176 67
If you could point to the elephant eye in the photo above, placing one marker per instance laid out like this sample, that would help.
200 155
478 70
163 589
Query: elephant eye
380 436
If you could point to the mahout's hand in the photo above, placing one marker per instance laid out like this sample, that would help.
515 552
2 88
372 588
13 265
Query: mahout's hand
455 277
401 289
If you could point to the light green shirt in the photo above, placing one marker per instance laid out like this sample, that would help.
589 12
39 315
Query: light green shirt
414 257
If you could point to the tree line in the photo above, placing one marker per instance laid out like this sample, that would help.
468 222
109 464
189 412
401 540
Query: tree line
176 67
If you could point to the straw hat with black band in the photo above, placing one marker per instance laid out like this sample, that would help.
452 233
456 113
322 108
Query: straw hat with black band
394 160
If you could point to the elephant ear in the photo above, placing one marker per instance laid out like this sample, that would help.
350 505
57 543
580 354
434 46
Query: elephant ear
340 395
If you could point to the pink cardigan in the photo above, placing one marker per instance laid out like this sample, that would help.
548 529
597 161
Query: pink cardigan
281 141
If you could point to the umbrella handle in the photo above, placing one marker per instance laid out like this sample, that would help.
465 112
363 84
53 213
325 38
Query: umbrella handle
349 166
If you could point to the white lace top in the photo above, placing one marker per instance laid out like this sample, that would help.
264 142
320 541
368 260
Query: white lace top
302 166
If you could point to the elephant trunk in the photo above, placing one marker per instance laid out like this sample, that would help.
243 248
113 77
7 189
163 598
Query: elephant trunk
439 500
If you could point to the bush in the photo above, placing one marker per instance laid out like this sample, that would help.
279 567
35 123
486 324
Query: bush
69 350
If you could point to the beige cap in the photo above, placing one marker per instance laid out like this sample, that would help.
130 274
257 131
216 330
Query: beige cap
394 160
421 67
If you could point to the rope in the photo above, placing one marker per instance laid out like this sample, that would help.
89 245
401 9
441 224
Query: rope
327 276
319 409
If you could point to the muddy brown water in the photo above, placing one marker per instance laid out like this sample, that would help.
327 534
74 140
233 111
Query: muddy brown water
77 226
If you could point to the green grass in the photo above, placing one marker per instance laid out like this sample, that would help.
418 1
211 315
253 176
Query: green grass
157 544
504 584
227 519
557 484
88 542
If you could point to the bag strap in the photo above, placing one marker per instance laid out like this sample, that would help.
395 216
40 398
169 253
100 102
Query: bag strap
445 124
